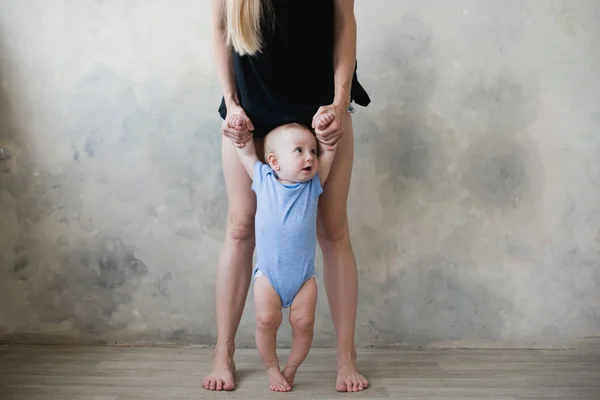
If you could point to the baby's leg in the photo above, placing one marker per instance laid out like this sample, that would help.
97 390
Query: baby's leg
302 319
268 319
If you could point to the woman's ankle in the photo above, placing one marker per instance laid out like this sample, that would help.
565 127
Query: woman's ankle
225 349
345 354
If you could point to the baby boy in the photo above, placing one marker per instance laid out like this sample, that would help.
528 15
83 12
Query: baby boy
287 190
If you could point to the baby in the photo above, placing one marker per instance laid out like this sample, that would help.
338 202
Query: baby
287 189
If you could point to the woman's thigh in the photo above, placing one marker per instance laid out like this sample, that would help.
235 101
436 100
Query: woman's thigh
332 216
242 200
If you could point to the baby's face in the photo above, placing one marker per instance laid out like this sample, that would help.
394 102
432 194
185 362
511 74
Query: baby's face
296 153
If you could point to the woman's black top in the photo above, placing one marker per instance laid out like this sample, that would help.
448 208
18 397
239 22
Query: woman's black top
293 75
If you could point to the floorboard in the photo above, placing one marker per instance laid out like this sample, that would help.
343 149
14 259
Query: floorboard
149 373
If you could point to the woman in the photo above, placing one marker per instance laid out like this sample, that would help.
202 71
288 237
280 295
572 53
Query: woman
282 61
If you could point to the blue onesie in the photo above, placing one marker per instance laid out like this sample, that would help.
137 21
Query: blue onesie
286 231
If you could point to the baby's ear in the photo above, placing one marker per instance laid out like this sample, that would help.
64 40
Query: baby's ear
272 161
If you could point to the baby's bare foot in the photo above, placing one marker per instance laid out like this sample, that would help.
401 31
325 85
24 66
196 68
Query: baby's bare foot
277 381
322 121
289 373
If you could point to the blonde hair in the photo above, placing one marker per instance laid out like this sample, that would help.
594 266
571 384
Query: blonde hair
243 22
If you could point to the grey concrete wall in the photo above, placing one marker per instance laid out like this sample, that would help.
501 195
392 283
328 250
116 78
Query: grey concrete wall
475 202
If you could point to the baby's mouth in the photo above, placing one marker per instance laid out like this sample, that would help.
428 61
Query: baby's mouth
307 169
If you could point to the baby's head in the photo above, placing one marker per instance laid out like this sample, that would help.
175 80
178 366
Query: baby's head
291 150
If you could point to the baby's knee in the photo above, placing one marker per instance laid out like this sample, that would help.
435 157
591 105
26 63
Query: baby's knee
267 321
304 323
241 226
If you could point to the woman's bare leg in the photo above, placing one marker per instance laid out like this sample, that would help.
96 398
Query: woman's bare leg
339 271
235 266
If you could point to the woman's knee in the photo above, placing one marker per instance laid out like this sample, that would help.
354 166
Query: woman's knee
333 229
240 226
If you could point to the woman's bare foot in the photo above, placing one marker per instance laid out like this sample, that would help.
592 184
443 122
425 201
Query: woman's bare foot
222 376
289 373
348 378
277 381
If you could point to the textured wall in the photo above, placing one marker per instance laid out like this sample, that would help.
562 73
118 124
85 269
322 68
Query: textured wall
475 205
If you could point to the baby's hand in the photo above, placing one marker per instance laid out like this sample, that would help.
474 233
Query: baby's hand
322 121
238 123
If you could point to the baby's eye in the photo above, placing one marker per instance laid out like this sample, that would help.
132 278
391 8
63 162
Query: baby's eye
298 149
313 151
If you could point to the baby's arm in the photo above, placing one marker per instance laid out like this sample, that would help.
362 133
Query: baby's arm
326 155
325 161
247 153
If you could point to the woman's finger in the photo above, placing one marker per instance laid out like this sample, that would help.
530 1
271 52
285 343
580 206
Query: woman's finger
235 140
333 129
331 145
235 136
329 141
229 131
236 132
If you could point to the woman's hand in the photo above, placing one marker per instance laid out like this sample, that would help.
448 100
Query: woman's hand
237 126
328 125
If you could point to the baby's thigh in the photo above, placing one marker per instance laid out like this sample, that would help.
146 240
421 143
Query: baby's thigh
304 305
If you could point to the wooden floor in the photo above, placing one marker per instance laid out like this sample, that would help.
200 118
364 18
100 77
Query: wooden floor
116 373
